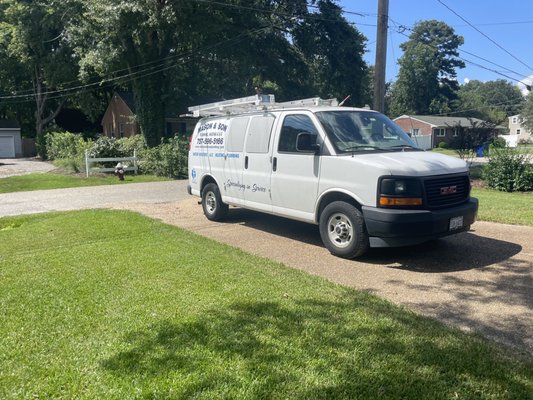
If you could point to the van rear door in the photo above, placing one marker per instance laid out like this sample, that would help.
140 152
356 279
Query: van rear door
257 162
233 186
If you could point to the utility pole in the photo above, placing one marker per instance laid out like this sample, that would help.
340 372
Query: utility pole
381 55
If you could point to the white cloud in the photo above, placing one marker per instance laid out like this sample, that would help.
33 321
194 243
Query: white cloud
466 80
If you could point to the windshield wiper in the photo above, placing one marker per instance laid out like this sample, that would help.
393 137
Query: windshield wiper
404 146
365 146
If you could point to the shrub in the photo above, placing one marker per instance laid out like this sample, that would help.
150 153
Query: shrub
509 170
444 145
63 145
105 147
168 159
498 142
67 150
127 145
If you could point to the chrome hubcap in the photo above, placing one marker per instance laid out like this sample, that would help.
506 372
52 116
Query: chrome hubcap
210 203
340 230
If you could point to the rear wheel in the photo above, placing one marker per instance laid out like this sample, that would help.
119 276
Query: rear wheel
214 208
342 230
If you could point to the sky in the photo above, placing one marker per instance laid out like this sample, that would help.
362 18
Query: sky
508 23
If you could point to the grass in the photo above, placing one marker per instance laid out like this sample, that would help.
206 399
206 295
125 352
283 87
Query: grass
127 307
506 208
44 181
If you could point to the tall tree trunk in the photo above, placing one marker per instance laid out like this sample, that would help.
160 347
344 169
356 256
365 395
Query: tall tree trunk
150 108
41 120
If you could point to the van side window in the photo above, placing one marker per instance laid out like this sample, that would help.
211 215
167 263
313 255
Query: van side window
258 137
236 134
292 126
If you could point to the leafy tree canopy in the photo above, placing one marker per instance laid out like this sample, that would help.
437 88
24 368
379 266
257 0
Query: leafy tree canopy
492 101
427 79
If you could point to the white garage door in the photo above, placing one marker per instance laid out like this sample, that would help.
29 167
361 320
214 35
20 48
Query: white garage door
7 147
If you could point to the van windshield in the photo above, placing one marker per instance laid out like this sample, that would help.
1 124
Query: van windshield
351 131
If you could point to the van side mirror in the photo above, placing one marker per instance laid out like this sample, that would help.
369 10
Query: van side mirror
306 143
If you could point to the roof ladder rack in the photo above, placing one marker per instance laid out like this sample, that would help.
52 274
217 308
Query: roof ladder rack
254 103
242 104
312 101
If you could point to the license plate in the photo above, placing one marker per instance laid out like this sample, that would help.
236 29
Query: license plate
456 223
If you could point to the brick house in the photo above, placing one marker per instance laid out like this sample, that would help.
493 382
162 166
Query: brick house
431 130
119 119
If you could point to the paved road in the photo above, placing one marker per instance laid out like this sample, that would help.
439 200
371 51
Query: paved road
91 197
23 166
480 281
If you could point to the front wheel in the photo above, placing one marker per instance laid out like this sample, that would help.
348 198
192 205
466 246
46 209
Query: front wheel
342 230
214 208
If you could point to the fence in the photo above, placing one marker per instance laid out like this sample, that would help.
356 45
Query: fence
89 161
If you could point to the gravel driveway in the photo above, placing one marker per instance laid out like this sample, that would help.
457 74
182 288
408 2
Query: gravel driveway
480 281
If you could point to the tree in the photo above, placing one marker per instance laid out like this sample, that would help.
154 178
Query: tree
427 79
34 47
186 50
333 50
491 101
468 139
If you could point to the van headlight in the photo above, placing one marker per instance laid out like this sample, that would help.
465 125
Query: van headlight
400 192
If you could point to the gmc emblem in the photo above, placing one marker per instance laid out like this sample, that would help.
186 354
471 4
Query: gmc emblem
448 190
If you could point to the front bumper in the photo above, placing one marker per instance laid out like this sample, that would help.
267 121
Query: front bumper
392 227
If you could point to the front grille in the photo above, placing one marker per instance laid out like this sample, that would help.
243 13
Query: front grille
447 191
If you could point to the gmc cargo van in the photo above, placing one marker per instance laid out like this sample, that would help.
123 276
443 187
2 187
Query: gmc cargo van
352 171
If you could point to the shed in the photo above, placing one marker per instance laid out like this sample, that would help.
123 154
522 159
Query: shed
119 119
10 140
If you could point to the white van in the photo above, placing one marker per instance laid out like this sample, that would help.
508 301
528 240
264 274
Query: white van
352 171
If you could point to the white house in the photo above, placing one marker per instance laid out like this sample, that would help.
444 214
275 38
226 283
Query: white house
517 131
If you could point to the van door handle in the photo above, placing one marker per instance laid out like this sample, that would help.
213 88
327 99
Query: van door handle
246 162
274 163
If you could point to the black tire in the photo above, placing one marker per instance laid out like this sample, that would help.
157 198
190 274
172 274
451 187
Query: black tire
342 229
214 208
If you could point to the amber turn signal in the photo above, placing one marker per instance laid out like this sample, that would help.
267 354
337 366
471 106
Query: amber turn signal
400 201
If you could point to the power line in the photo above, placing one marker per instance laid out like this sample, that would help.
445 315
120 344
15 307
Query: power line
491 40
512 101
402 28
160 62
497 23
158 68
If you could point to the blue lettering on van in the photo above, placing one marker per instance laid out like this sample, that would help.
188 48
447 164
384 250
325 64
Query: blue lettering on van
233 155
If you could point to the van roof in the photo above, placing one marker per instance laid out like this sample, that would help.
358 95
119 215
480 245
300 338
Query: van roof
313 109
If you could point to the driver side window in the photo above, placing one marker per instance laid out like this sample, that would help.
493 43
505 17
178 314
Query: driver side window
292 126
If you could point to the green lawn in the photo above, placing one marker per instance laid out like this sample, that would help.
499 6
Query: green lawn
42 181
111 305
506 208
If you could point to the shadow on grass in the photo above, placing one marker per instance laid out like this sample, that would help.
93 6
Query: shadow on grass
352 347
459 252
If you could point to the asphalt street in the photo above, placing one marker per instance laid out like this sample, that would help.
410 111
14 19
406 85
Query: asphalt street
91 197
